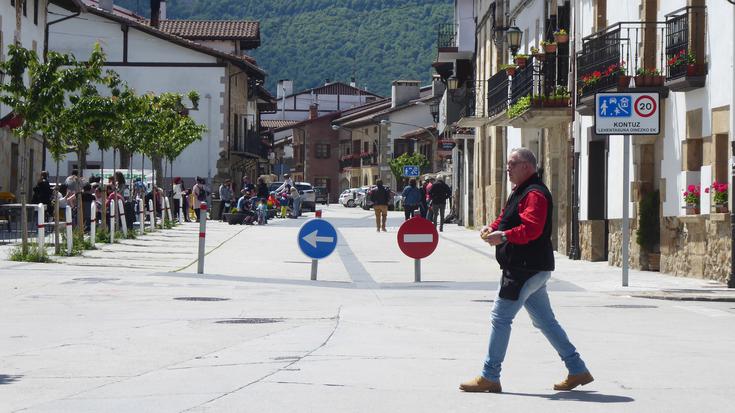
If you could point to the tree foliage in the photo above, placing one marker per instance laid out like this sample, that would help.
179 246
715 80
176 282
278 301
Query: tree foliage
397 164
375 41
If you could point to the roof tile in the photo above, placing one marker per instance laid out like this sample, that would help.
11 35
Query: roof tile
212 29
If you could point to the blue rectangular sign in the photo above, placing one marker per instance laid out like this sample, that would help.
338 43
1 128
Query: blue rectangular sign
411 170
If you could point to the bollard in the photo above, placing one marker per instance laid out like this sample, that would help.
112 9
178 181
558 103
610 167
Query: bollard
318 213
69 239
141 217
152 215
41 225
113 218
202 234
123 221
93 223
168 210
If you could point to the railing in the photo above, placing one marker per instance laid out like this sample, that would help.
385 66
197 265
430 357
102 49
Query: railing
681 55
250 142
497 93
542 79
613 51
446 37
522 83
269 107
474 107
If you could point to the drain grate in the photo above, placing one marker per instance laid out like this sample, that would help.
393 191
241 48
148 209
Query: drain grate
250 321
201 299
483 301
629 306
95 279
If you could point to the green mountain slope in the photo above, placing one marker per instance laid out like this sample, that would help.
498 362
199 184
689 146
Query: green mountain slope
309 41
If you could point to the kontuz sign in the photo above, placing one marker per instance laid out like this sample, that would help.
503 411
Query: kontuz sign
625 113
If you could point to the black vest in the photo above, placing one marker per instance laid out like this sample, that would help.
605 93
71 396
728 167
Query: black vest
537 255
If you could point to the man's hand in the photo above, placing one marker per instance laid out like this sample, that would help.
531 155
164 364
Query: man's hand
494 238
485 232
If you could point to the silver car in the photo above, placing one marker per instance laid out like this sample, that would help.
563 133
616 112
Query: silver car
308 197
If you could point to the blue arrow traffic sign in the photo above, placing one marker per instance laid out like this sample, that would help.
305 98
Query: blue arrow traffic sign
317 238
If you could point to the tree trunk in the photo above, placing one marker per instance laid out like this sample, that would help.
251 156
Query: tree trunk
82 157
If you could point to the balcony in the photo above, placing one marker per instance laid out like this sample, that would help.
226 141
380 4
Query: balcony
446 39
497 98
250 143
685 66
610 58
473 113
451 46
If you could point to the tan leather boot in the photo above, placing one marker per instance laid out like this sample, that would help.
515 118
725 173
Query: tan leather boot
574 380
481 384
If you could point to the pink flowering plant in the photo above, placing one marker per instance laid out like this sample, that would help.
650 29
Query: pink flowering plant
719 193
691 195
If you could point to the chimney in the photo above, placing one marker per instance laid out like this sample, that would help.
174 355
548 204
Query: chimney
437 87
162 12
155 12
106 5
352 82
313 111
404 91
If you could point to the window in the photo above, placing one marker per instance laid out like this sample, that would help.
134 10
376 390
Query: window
323 182
35 12
365 147
323 151
25 8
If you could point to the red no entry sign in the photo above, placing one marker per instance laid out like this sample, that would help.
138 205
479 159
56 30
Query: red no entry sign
417 238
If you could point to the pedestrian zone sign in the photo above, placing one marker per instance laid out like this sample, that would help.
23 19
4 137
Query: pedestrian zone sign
411 171
627 114
317 238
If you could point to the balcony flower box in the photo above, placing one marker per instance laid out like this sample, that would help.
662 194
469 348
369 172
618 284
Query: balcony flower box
521 60
509 69
537 54
549 47
561 36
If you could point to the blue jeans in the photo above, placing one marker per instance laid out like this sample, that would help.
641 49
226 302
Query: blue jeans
534 297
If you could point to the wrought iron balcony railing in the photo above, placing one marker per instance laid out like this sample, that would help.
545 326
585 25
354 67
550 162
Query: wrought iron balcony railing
497 93
249 142
613 52
474 107
447 38
682 55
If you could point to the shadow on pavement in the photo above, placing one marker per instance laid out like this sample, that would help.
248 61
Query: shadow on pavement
579 396
9 379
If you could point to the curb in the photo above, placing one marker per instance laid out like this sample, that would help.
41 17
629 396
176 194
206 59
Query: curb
687 297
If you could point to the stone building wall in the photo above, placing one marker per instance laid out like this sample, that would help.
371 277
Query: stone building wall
592 240
636 260
696 246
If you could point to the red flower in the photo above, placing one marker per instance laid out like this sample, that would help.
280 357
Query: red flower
690 188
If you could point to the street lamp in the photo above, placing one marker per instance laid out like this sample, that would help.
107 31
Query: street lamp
514 35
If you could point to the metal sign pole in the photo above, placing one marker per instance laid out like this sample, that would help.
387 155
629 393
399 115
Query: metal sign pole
314 267
626 195
417 271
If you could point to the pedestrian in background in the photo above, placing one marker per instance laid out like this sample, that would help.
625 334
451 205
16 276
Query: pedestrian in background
262 189
177 190
42 192
380 196
225 197
522 239
296 202
439 193
201 193
411 198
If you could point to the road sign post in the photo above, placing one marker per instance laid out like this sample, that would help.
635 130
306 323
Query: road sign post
317 239
417 238
627 114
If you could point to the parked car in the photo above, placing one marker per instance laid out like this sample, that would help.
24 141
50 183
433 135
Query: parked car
321 195
308 196
364 202
348 197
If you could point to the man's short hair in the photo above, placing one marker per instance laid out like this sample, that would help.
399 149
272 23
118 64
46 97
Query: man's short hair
75 172
379 182
526 155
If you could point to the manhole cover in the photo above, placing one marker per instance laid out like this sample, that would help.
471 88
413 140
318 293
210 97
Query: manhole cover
629 306
201 299
95 279
483 301
250 321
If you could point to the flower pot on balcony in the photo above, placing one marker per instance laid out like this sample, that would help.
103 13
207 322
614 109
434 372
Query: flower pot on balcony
656 80
623 82
692 209
540 56
721 209
521 61
511 71
550 48
561 38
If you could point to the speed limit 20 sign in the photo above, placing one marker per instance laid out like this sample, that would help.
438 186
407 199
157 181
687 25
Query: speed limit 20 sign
627 113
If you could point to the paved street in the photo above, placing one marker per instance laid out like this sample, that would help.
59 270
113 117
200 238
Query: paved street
113 331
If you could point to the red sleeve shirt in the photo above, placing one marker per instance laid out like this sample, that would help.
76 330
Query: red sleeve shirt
532 210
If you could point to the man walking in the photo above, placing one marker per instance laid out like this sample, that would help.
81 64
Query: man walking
439 193
522 238
380 197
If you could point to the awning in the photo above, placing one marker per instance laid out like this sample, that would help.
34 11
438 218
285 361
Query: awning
11 121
